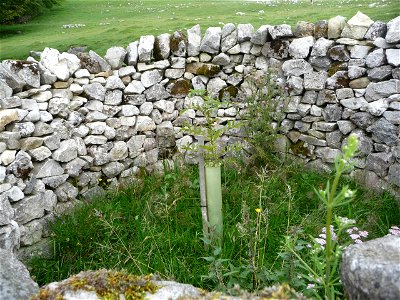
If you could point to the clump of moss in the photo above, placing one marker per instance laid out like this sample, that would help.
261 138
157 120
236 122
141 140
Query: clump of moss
227 93
181 88
208 70
106 284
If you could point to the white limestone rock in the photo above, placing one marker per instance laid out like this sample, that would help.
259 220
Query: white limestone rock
357 26
335 26
300 48
211 41
135 87
393 31
132 53
145 48
194 40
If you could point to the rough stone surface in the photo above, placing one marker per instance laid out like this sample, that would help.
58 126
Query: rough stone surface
371 270
15 282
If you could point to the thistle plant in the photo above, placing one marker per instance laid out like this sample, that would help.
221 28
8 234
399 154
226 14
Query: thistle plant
321 269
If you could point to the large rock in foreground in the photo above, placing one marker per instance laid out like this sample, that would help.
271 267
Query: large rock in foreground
372 270
95 285
15 282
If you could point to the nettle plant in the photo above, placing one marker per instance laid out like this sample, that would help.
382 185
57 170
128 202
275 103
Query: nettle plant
319 259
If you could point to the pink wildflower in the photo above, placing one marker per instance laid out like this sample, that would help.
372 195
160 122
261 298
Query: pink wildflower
363 233
322 242
358 241
354 236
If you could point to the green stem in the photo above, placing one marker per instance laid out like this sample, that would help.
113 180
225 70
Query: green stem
328 248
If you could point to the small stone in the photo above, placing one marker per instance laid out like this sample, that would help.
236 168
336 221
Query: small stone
393 31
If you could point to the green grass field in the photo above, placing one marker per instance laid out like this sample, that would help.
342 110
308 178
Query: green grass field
118 22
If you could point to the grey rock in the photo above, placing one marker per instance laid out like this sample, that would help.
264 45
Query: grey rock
335 26
162 47
354 103
75 166
357 26
29 208
370 270
380 73
135 145
339 53
362 119
119 151
338 80
10 238
211 41
145 48
21 166
393 31
260 37
10 102
150 78
132 53
359 51
145 123
344 93
6 211
327 154
280 31
15 282
312 140
215 85
375 59
113 97
55 181
315 80
379 163
47 169
300 48
95 91
174 73
104 66
178 43
115 56
221 59
376 30
393 57
113 169
392 116
156 92
277 49
376 91
384 132
40 153
5 90
378 107
244 32
66 192
228 37
135 87
294 85
321 46
165 135
194 40
296 67
304 29
394 174
114 82
332 112
321 29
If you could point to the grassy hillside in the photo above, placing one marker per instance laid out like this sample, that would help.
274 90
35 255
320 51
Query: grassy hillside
118 22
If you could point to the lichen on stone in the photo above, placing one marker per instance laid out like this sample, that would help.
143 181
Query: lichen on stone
107 285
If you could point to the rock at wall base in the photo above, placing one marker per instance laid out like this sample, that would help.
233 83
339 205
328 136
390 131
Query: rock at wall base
371 270
15 282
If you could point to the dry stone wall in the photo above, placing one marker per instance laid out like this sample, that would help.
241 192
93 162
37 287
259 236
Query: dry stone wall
71 121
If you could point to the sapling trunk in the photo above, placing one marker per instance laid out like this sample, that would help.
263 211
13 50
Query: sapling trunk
214 202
